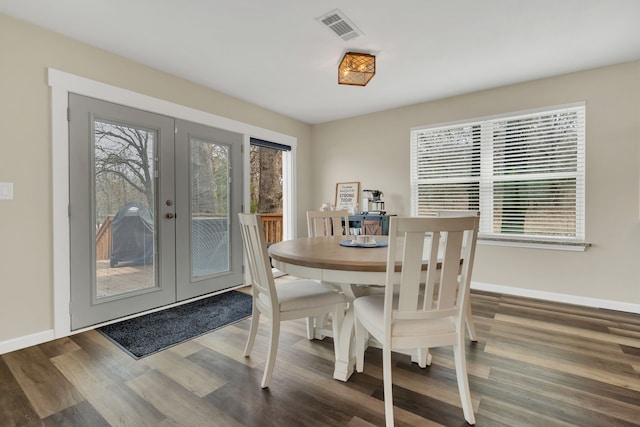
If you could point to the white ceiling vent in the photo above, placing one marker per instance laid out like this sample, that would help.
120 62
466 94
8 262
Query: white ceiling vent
340 25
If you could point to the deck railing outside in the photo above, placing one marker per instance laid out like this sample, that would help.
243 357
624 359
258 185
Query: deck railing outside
272 225
104 239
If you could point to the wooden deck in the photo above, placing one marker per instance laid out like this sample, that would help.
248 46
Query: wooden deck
123 278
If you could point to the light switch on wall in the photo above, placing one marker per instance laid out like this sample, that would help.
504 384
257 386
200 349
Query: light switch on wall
6 190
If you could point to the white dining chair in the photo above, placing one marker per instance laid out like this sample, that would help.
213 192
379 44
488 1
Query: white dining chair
321 224
410 318
471 328
296 299
423 357
328 223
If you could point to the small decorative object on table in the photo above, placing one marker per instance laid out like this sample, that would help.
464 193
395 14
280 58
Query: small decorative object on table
363 241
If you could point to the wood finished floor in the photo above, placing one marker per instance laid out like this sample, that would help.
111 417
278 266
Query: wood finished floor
536 364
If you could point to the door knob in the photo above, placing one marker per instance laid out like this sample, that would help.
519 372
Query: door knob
169 216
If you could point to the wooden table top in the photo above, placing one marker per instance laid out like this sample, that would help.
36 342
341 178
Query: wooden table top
327 253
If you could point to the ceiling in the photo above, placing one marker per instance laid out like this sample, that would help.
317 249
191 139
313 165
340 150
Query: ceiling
276 54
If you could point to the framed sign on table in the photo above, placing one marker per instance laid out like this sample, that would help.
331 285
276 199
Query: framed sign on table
347 196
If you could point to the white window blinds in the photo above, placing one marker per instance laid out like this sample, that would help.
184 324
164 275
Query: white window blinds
525 173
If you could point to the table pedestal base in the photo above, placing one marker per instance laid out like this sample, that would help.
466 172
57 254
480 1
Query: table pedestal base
346 361
345 364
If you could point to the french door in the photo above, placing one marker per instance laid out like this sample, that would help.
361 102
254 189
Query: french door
153 206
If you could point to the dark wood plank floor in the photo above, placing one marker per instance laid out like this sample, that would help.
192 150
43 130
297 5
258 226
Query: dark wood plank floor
536 364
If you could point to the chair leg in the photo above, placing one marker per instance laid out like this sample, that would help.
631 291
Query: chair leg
424 357
314 324
360 337
388 385
471 328
311 329
463 381
273 350
255 320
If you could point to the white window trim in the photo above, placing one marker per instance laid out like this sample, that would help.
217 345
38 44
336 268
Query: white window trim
62 84
535 244
486 203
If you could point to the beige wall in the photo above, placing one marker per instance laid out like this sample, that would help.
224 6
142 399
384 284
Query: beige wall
26 305
374 150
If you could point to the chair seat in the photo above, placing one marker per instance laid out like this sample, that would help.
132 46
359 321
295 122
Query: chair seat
370 309
303 294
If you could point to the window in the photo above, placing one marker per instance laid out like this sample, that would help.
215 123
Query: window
524 172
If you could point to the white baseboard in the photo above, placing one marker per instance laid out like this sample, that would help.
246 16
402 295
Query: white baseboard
26 341
556 297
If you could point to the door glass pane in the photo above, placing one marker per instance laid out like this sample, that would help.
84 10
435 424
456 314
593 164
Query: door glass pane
124 208
209 208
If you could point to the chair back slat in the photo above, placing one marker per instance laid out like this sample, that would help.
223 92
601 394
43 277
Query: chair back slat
412 260
450 270
255 249
470 239
432 279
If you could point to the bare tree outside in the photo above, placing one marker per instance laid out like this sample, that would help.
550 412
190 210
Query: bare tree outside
209 178
124 167
125 171
266 180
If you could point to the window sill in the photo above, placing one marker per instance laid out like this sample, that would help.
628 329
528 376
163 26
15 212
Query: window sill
534 244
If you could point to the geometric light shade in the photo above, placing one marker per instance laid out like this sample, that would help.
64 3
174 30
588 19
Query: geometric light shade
356 69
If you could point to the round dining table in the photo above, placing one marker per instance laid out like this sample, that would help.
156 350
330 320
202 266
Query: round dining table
353 268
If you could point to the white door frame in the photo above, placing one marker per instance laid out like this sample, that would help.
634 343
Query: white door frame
62 84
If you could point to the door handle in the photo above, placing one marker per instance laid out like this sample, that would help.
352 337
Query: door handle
170 216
